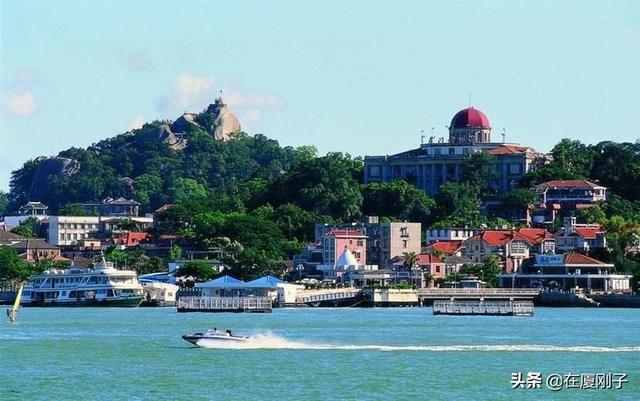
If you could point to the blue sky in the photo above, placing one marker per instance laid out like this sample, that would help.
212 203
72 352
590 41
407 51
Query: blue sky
363 77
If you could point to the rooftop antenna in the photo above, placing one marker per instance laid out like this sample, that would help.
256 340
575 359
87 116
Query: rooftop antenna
469 99
422 137
504 135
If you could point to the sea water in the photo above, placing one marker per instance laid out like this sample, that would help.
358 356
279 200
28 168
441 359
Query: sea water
314 354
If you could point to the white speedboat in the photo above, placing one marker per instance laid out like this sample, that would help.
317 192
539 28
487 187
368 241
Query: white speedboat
214 336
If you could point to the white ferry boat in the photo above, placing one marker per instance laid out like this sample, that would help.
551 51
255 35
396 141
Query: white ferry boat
103 285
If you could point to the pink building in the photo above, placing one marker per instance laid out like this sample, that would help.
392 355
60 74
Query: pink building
335 241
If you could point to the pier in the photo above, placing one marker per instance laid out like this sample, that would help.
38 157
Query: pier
224 304
495 308
330 297
428 296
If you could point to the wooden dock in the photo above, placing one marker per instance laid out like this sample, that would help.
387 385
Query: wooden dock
224 304
491 307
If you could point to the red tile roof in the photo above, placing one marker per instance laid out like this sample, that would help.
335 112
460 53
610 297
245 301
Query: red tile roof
446 247
535 235
509 150
499 237
588 232
575 258
131 238
577 184
428 258
345 232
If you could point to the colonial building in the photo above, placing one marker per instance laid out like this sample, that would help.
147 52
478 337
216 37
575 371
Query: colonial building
566 272
511 247
450 234
580 237
34 250
564 196
336 241
385 241
542 241
439 160
389 240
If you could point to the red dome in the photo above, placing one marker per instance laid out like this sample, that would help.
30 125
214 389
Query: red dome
470 118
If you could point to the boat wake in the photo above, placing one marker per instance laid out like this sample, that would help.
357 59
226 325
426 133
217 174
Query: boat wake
271 341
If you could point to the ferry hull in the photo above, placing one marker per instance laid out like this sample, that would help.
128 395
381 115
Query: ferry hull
121 302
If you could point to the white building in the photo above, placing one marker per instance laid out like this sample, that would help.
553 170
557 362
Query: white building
450 234
68 230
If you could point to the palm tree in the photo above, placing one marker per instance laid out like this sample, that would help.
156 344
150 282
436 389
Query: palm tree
410 262
428 277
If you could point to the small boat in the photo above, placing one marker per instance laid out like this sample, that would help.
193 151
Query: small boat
214 336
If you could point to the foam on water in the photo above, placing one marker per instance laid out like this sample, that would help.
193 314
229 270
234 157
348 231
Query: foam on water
271 341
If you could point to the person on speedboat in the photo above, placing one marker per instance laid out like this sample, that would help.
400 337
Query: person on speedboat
229 333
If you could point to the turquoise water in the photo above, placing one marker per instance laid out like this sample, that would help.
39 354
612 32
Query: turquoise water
312 354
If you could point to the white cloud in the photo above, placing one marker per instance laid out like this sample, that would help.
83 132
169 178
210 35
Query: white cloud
193 93
18 99
135 60
137 122
190 93
21 104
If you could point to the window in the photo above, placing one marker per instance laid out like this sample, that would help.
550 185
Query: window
452 151
61 237
438 151
360 243
437 269
514 168
374 171
405 243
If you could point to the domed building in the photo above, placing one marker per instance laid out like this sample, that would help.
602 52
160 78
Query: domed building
441 160
469 126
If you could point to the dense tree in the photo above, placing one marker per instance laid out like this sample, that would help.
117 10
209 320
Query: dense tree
479 171
325 186
519 198
200 270
4 202
398 200
73 209
27 228
459 205
14 269
573 157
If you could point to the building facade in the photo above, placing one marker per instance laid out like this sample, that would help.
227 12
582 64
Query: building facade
391 240
565 196
439 161
68 230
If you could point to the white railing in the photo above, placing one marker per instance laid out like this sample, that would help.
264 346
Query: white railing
224 303
483 308
478 291
327 295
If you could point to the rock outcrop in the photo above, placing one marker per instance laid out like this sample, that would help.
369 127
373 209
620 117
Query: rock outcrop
164 134
224 122
60 167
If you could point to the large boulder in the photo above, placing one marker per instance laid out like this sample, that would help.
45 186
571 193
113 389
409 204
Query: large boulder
164 134
60 167
184 122
223 123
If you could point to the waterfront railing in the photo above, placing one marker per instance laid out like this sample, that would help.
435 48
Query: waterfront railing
224 304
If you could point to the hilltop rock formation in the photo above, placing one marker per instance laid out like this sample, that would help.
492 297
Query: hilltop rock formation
60 167
223 121
183 122
164 134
